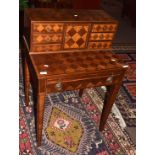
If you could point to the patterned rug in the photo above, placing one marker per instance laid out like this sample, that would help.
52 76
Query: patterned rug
68 129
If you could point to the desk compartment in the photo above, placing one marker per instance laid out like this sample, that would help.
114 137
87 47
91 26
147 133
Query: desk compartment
104 27
72 84
100 45
101 36
46 48
47 27
46 38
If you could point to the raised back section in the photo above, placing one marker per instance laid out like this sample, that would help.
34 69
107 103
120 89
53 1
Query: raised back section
53 30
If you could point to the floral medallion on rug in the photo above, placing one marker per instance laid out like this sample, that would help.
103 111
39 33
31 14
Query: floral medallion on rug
64 131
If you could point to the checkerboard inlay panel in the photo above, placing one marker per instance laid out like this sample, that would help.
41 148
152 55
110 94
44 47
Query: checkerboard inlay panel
76 36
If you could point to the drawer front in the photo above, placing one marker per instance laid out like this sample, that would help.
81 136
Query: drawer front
101 36
62 85
76 36
46 48
46 38
47 27
99 45
104 27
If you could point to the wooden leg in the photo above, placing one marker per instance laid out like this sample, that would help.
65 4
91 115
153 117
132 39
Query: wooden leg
109 100
26 81
80 92
40 115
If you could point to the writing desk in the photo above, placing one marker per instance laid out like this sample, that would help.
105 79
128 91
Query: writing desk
69 50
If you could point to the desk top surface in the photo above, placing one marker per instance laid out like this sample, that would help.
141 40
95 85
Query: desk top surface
40 14
74 63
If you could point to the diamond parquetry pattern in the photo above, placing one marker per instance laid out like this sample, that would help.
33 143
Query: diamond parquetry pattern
76 36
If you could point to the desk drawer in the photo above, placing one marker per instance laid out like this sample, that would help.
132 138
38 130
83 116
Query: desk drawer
104 28
46 48
101 36
99 45
46 38
47 27
73 84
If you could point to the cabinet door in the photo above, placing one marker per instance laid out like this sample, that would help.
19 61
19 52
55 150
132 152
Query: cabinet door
76 36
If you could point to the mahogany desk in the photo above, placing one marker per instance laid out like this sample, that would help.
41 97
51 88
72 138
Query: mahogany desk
68 50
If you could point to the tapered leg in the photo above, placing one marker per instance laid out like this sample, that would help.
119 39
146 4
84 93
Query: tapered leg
109 100
80 92
26 81
40 115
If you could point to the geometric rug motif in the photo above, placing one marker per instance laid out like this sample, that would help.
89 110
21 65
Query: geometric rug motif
25 142
126 108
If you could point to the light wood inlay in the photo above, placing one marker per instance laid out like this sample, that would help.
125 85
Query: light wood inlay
47 27
46 38
99 45
104 27
101 36
46 48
